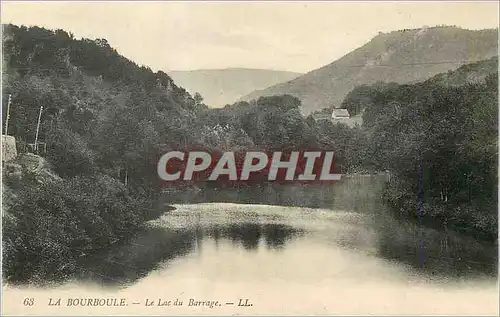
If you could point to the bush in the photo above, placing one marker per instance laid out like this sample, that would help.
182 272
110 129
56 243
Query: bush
53 224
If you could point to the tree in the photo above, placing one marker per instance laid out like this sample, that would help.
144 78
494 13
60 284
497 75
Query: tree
198 99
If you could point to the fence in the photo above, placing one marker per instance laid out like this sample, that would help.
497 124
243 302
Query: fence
24 147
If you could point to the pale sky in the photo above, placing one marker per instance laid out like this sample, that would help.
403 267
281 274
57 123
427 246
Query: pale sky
294 36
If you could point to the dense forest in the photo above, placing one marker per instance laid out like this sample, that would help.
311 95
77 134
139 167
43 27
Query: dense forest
438 139
439 143
106 120
102 119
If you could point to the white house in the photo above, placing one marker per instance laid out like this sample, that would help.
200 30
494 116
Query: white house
340 114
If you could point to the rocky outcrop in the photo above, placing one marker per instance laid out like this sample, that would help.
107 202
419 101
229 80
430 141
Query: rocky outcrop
16 173
9 151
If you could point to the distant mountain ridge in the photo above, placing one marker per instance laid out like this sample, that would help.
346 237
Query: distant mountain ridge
225 86
404 56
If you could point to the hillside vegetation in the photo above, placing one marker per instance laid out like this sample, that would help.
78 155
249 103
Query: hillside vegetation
102 119
439 141
362 97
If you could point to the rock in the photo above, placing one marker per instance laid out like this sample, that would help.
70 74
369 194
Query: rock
37 165
15 170
9 150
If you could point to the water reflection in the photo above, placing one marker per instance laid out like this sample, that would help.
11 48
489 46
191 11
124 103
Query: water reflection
125 264
352 220
435 253
249 234
355 193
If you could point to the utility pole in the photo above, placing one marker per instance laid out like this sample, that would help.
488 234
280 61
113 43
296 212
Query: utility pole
8 115
38 129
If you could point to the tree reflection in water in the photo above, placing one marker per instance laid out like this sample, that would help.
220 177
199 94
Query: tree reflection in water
250 234
126 263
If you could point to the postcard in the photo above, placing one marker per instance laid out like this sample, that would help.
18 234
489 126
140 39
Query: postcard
249 158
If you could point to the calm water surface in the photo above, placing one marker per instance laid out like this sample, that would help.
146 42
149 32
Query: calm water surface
286 260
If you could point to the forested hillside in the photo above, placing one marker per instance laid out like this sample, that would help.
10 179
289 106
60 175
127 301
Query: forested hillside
100 109
363 96
439 141
403 56
102 119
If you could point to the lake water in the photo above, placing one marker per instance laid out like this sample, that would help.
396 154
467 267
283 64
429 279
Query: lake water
346 259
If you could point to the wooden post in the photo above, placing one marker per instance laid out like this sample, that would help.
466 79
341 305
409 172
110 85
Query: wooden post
38 129
8 116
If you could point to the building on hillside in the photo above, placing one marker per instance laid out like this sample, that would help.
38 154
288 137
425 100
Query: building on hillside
340 114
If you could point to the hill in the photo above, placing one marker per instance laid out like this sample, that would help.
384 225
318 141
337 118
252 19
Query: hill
224 86
102 117
439 141
363 97
86 86
404 56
